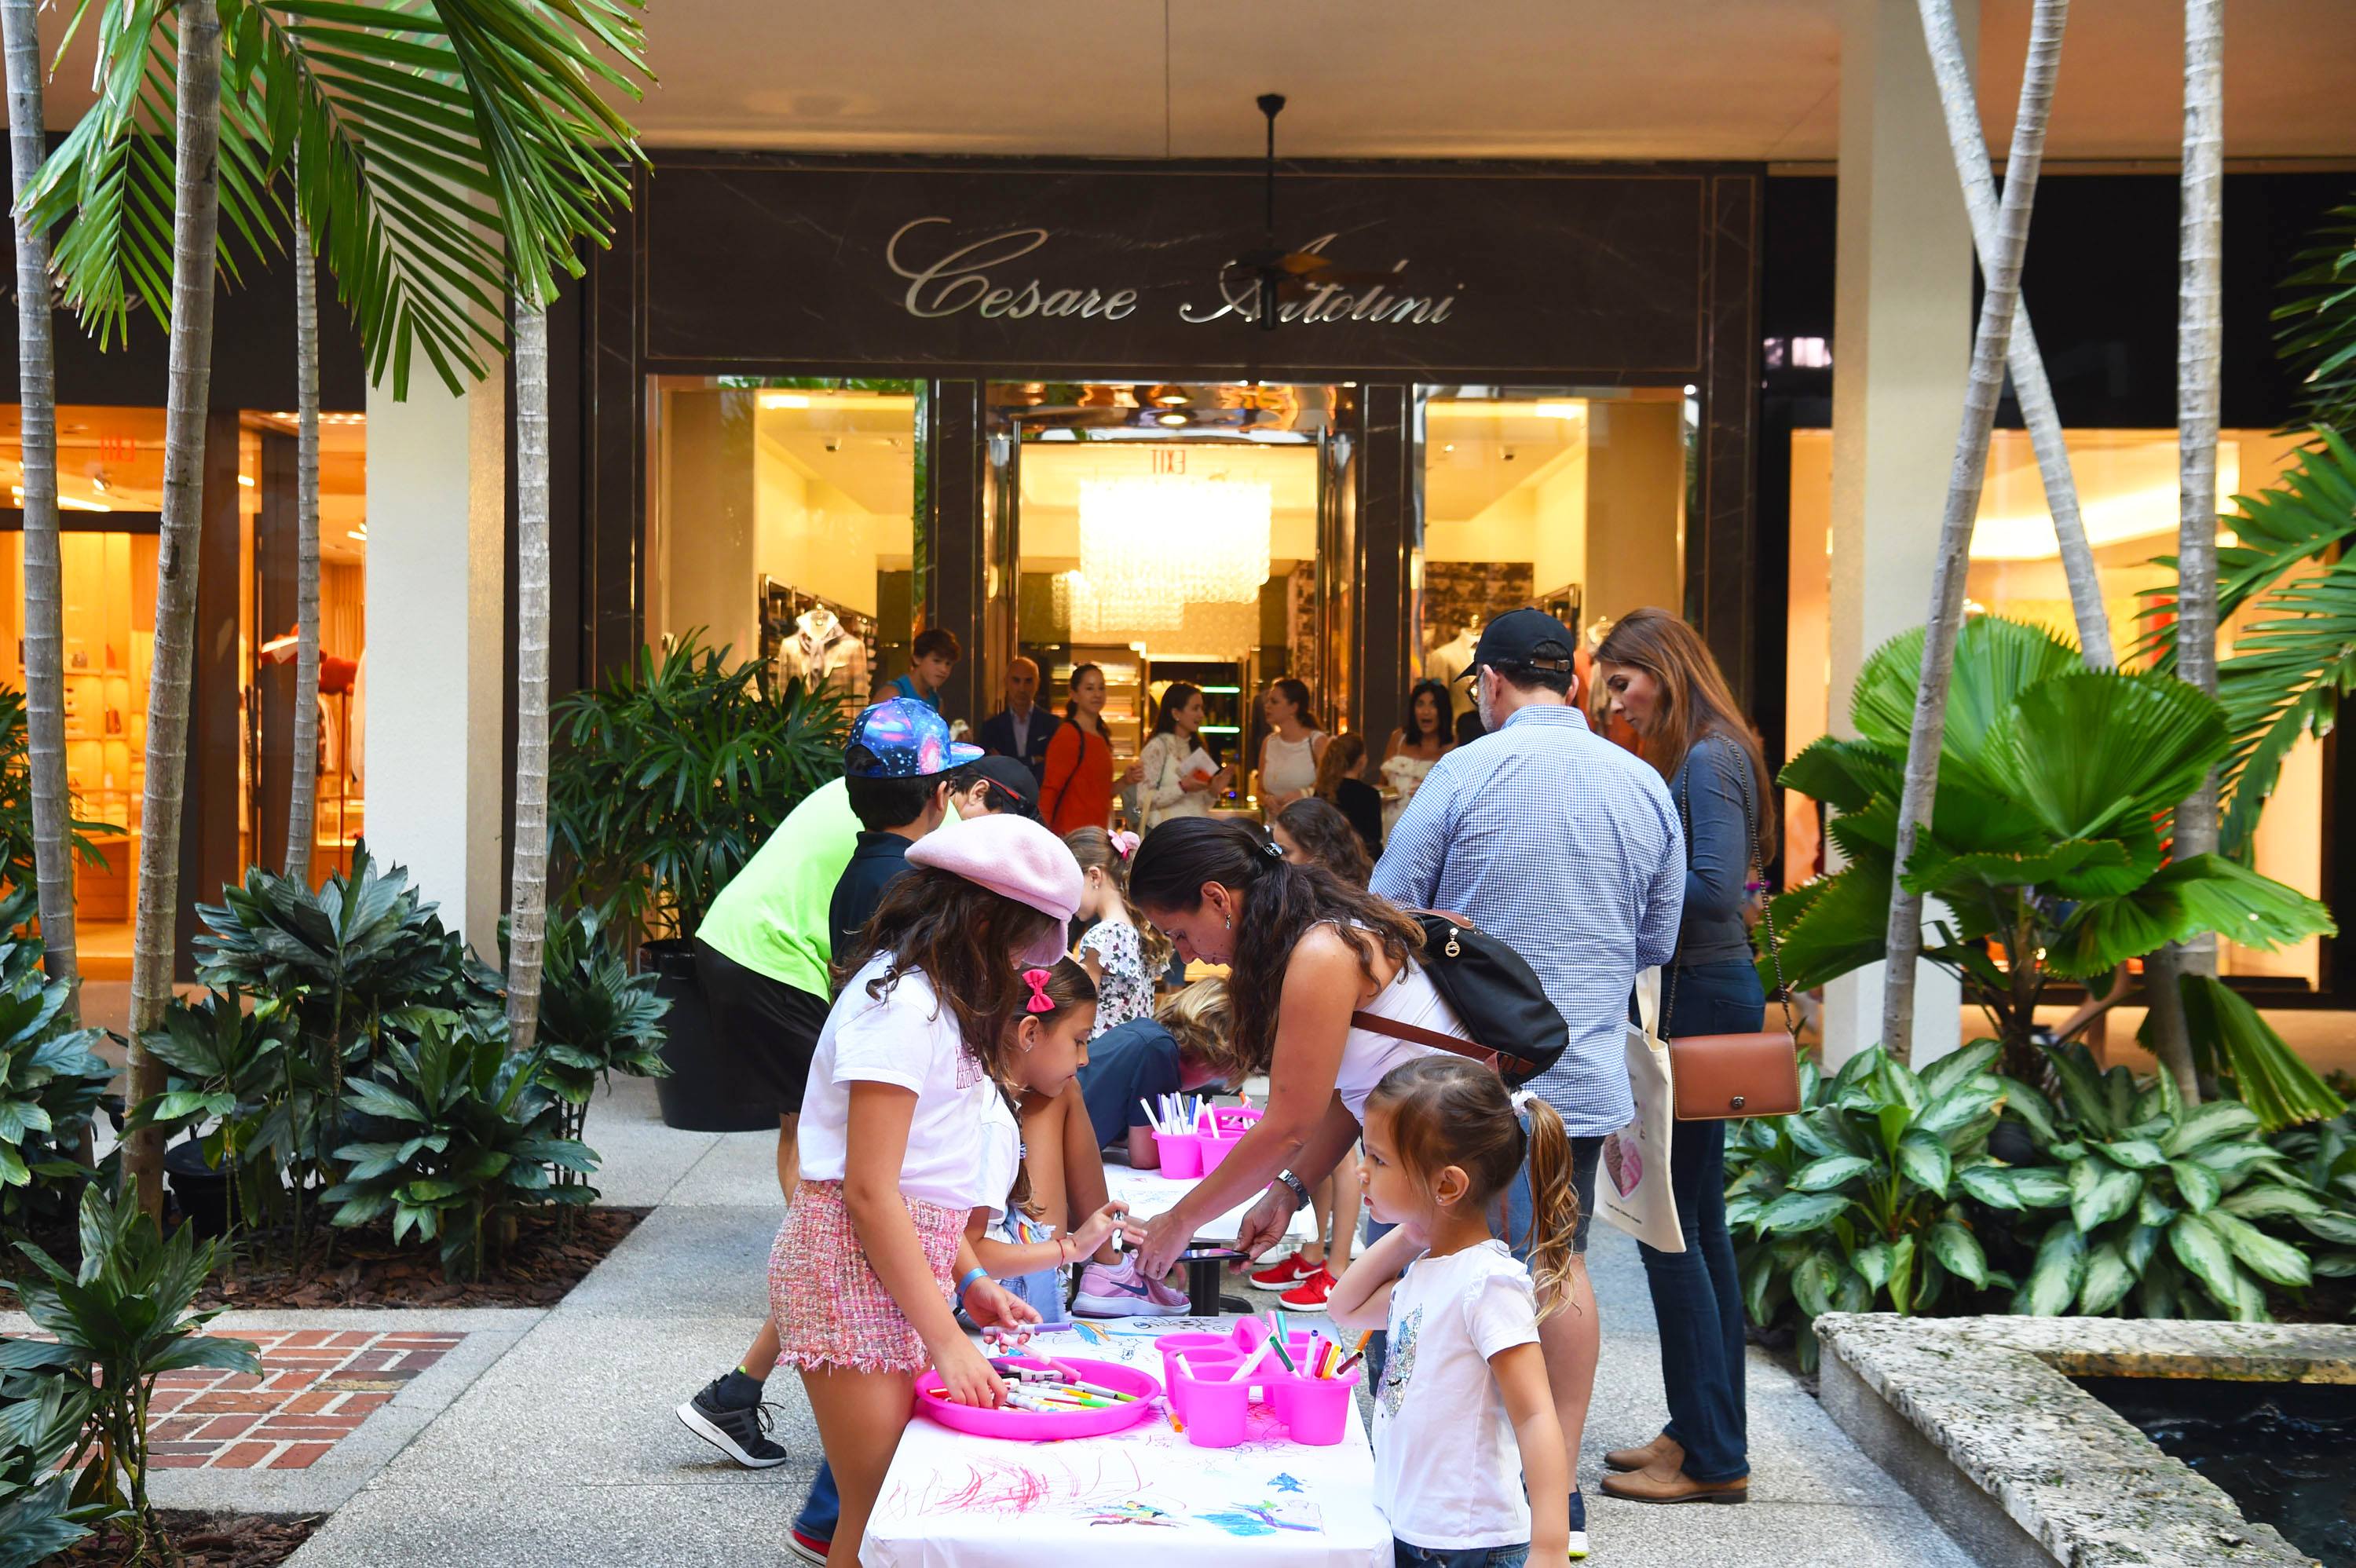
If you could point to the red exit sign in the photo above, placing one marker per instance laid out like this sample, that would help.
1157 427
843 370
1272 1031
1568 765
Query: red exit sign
117 448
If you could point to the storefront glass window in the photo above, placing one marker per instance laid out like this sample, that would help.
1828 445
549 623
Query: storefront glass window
1170 534
110 482
2127 493
1569 499
781 524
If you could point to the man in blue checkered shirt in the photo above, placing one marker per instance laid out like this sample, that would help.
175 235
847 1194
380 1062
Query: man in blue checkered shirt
1566 846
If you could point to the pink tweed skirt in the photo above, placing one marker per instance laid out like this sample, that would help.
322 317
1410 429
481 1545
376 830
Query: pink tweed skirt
832 1310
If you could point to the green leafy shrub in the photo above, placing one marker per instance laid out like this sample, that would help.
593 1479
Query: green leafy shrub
16 805
51 1084
2166 1211
237 1080
121 1321
1857 1199
668 777
596 1018
2042 842
2323 1158
460 1134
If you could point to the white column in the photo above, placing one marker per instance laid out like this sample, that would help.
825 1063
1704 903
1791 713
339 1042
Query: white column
1901 353
437 625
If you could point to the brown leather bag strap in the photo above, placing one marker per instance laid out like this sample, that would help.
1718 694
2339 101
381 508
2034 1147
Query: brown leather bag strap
1374 1023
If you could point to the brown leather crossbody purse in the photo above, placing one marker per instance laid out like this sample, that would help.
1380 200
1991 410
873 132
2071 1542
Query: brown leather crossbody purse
1717 1076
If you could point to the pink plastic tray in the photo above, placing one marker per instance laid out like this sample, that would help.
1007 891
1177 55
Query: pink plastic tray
1034 1426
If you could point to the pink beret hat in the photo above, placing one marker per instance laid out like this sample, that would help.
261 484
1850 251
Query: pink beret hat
1014 858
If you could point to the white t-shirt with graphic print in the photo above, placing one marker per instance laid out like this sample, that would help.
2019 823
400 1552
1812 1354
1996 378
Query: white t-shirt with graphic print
910 1040
1448 1468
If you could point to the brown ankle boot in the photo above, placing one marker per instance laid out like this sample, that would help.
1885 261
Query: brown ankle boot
1662 1448
1663 1485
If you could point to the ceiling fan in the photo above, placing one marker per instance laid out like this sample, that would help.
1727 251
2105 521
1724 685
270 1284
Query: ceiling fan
1282 274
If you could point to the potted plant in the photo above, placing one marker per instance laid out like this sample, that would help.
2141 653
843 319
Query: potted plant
668 778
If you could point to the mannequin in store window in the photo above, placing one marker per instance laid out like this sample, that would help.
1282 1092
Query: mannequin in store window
823 653
932 659
1447 663
1288 757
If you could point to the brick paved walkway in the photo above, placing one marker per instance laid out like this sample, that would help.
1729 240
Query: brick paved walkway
316 1386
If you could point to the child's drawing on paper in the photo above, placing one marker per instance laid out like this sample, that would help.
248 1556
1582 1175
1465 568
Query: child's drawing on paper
1266 1518
1284 1483
1134 1510
1086 1481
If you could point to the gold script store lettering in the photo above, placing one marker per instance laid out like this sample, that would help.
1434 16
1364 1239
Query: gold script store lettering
976 277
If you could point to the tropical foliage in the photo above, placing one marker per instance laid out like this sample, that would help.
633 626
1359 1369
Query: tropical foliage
456 1134
2317 337
2042 848
439 152
2168 1211
116 1324
51 1082
1856 1202
16 801
669 775
596 1018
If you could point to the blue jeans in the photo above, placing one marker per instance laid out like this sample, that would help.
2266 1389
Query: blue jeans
1697 1294
822 1510
1406 1556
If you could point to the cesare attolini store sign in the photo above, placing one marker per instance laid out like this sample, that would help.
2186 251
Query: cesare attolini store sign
770 263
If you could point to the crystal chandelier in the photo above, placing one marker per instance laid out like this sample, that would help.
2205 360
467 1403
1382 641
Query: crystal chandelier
1151 547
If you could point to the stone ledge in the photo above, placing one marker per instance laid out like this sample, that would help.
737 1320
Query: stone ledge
1987 1401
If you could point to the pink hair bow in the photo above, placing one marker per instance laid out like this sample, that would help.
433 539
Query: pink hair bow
1124 843
1040 1002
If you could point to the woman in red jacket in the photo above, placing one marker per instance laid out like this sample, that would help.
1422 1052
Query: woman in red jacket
1076 788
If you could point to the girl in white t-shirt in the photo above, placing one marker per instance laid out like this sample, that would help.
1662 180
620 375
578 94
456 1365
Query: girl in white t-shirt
1464 1377
1046 1048
872 1259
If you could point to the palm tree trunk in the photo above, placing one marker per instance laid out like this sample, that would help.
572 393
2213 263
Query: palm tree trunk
1989 346
2198 333
45 709
527 889
195 246
302 800
1960 100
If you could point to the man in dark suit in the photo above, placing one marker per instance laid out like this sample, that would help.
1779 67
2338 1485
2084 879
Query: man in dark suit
1022 729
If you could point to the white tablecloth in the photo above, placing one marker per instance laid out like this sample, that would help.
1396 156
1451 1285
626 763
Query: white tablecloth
1145 1497
1149 1193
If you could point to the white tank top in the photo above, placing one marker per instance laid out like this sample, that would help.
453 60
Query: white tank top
1290 765
1366 1056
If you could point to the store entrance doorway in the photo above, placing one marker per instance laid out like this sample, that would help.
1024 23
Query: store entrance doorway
1174 532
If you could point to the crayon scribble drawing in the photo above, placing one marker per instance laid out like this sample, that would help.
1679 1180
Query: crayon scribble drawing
1284 1483
1083 1481
1267 1518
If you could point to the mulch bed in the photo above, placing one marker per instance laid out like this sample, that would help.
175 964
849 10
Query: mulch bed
370 1271
208 1541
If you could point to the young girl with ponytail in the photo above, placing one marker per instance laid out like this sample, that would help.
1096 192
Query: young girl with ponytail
1121 958
1443 1143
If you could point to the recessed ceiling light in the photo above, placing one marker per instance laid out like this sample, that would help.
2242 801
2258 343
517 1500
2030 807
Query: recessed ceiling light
1171 418
246 480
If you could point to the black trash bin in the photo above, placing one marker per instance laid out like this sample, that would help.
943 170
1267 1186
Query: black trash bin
709 1090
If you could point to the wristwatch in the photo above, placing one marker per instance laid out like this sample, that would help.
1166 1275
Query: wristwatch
1300 1189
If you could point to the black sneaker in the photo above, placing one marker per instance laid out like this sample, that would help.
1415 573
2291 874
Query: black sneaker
742 1432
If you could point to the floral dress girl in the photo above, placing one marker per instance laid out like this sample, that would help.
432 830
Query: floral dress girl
1126 991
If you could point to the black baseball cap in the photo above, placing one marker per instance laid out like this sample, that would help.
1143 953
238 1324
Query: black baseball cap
1525 640
1014 777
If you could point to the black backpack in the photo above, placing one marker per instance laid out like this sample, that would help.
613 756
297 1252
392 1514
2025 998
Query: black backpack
1493 993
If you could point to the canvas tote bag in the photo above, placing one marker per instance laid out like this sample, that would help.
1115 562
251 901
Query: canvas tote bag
1632 1187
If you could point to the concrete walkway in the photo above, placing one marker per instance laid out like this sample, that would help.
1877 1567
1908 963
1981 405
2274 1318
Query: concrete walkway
564 1450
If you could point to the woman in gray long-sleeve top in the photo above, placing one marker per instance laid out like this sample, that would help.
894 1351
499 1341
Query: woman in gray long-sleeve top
1655 671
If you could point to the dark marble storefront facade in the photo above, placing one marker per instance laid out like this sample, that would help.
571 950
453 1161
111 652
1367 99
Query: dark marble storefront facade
961 273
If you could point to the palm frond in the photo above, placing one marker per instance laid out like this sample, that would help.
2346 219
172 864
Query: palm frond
2306 513
2318 336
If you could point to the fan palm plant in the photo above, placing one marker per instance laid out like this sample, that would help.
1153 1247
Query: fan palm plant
2044 846
2319 335
442 151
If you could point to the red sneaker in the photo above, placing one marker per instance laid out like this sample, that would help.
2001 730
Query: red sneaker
1310 1295
1282 1274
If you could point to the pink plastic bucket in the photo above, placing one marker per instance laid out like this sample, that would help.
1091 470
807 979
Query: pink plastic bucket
1181 1155
1232 1120
1211 1151
1317 1410
1213 1412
